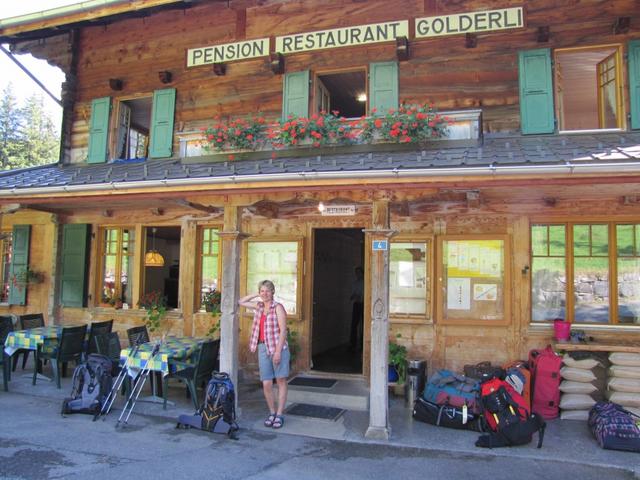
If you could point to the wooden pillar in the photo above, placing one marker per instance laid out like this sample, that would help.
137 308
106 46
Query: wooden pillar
231 238
188 245
379 238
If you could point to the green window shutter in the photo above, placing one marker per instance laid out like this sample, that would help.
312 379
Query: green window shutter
73 265
99 130
164 105
634 83
536 92
19 263
295 97
383 87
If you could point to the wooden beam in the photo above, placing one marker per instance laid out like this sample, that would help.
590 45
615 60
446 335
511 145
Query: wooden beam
197 206
266 209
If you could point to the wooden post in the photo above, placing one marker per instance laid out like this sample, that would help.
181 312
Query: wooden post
188 245
231 239
379 238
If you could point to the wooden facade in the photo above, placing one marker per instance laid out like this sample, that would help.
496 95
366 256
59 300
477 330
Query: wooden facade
473 71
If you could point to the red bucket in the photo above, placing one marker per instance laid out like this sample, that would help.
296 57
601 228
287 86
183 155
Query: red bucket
562 330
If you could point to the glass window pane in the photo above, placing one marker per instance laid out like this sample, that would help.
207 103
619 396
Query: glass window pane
581 240
548 288
629 290
408 282
278 262
591 290
539 239
557 240
6 267
600 240
209 262
625 240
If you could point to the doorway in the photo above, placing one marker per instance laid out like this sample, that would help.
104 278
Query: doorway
338 254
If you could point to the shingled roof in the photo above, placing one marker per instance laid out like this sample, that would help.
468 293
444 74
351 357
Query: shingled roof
605 151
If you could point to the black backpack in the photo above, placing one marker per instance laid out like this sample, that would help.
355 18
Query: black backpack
91 384
218 411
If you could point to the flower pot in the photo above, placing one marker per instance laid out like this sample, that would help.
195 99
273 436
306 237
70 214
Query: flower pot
393 374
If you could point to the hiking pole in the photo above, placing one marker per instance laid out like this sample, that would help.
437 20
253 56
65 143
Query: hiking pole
124 371
137 388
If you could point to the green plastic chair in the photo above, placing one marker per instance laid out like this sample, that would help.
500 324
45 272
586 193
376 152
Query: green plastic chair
194 374
6 326
68 347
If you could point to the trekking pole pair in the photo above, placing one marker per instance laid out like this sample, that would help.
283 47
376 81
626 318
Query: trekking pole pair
117 384
137 388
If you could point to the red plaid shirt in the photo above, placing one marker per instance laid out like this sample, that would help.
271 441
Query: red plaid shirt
271 328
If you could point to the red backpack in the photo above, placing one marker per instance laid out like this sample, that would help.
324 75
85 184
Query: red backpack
501 404
545 376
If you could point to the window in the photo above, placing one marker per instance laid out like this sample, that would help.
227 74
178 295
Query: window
163 278
583 90
602 258
343 92
132 130
209 261
116 266
409 282
5 265
280 262
474 280
588 86
143 126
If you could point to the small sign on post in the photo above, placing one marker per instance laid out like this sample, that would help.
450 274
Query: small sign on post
380 245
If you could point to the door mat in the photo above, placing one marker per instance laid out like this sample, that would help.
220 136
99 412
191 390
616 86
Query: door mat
313 382
315 411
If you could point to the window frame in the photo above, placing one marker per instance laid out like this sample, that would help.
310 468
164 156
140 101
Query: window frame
412 318
101 263
115 118
441 295
299 240
570 269
335 71
6 249
198 308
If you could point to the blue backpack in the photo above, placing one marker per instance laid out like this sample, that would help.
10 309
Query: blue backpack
614 427
218 411
448 388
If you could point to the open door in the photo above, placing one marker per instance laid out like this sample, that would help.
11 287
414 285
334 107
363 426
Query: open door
338 291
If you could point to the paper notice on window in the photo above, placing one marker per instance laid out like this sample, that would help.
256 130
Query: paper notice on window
485 292
459 293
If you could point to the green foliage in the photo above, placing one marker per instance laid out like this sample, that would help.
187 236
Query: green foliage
238 134
398 358
28 135
156 306
211 301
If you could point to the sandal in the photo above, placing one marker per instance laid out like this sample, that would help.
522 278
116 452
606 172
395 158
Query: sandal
278 422
269 420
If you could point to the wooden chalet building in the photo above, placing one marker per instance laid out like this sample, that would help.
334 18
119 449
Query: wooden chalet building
528 210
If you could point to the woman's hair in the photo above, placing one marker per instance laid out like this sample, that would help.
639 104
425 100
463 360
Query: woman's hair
267 283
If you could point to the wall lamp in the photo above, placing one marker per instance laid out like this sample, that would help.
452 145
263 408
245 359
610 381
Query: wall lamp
471 40
220 69
276 63
402 49
165 76
544 32
621 25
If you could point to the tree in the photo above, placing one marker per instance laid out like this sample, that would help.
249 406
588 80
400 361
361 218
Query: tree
10 127
28 135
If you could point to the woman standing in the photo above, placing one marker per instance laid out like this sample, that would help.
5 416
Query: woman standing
269 337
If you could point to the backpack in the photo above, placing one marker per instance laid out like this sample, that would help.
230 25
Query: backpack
545 374
614 427
218 411
506 415
91 385
446 416
448 388
519 371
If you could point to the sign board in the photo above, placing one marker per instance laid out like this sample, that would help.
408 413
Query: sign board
472 22
337 210
228 52
380 245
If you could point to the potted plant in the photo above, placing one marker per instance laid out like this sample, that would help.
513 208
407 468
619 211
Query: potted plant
211 301
26 277
155 305
398 362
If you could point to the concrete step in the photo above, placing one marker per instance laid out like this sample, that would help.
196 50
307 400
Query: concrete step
346 393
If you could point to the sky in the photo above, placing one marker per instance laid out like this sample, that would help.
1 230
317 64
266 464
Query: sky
52 77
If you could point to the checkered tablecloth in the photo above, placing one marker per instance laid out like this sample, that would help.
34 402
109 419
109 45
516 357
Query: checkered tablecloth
174 348
30 339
